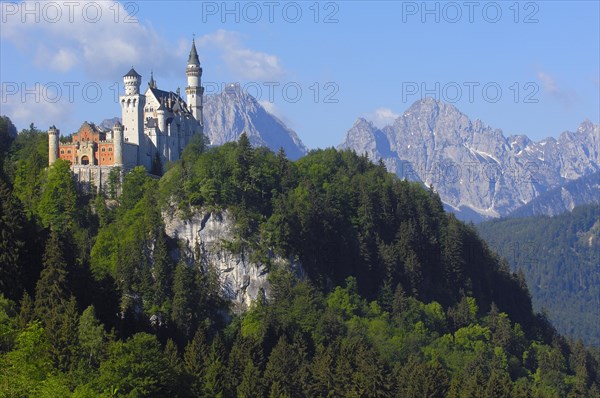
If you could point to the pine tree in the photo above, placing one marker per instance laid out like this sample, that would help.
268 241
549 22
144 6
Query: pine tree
26 312
241 171
12 242
370 376
214 375
453 257
281 368
195 361
172 355
251 385
185 298
65 344
91 337
162 271
322 381
51 289
499 385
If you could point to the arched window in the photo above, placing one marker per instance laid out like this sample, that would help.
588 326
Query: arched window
85 160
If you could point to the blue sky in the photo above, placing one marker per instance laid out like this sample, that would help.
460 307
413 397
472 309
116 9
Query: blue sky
524 67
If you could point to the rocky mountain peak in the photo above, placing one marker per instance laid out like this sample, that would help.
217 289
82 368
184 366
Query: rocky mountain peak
234 111
474 167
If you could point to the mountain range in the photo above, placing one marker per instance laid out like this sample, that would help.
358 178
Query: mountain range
478 172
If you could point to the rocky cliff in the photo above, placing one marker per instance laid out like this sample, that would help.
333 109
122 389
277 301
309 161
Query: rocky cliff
584 190
208 235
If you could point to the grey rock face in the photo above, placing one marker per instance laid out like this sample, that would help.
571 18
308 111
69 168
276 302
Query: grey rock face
228 114
108 124
207 235
475 169
583 190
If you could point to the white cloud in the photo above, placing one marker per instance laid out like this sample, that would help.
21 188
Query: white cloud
243 62
382 117
42 113
550 87
62 61
275 111
107 45
102 38
269 107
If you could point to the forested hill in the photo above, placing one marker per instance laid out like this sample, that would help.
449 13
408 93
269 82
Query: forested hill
398 298
560 257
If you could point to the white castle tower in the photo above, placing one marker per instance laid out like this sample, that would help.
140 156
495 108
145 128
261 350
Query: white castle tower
132 106
53 134
194 89
118 144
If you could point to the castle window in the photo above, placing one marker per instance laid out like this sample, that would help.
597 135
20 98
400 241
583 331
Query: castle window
85 160
109 149
103 149
62 151
69 151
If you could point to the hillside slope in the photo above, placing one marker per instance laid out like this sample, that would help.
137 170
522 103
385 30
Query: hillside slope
560 257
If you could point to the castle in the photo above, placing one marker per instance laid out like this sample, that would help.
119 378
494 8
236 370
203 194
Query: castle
156 127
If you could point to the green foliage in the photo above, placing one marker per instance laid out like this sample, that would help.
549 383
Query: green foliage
185 298
57 207
392 298
23 369
558 257
136 368
92 338
25 164
8 133
12 242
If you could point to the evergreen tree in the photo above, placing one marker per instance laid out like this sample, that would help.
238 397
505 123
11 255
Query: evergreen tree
499 385
185 298
51 289
322 381
214 374
162 271
280 373
92 337
251 385
195 362
12 241
26 312
65 344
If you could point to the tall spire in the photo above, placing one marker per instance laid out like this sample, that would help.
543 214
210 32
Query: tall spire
193 59
152 82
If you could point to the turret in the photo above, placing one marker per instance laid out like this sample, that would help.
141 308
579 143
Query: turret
132 109
53 134
194 89
118 143
161 119
132 81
